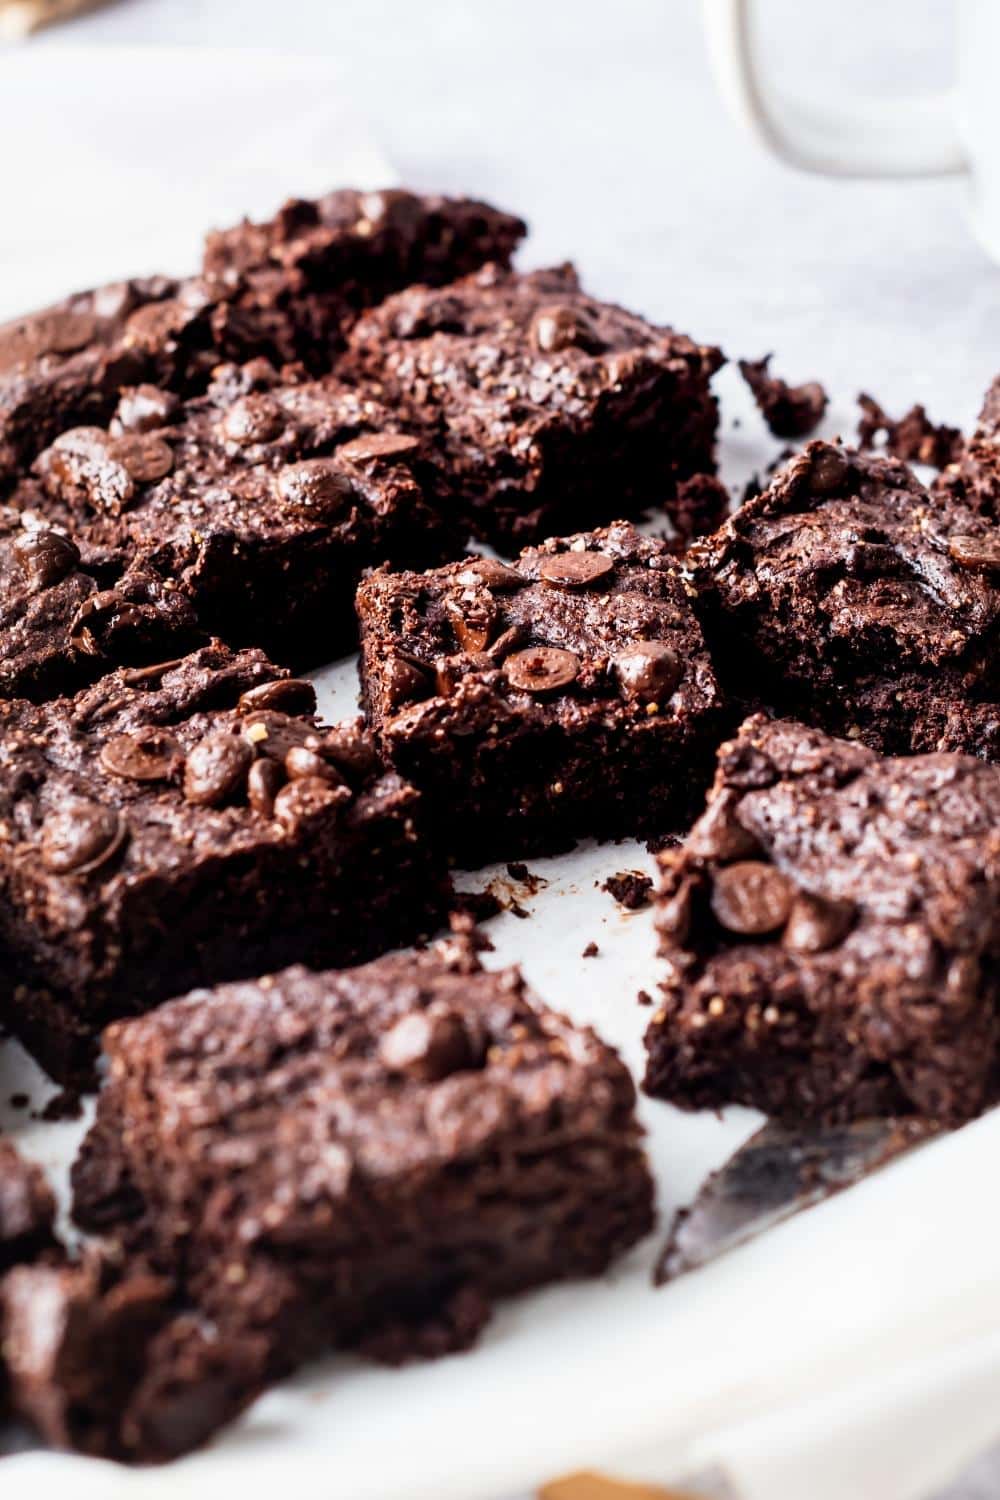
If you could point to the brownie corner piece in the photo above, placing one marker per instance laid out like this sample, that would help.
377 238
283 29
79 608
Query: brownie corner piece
550 410
831 934
567 694
366 1157
188 823
849 596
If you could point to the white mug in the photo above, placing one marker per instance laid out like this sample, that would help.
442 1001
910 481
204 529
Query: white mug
953 131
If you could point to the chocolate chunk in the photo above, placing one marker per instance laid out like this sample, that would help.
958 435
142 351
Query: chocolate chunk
718 834
300 761
561 327
316 487
302 799
979 552
405 681
472 618
79 836
216 769
145 458
815 924
542 669
427 1044
46 557
649 670
575 570
146 755
265 779
828 468
751 897
492 574
375 445
287 695
253 419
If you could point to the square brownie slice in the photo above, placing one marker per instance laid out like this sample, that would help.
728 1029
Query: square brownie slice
184 824
287 290
831 933
62 624
371 1156
567 695
262 502
848 596
549 411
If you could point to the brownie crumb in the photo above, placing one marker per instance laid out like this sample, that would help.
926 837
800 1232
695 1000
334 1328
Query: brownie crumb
518 871
591 951
788 410
701 505
479 905
630 888
65 1105
19 1101
644 997
751 489
663 841
914 438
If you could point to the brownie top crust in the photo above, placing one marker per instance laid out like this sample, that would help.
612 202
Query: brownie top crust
576 630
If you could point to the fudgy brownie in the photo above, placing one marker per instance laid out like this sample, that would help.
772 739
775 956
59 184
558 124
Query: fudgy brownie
188 823
366 1157
27 1209
287 290
62 624
262 501
550 411
847 595
831 931
100 1361
567 695
974 477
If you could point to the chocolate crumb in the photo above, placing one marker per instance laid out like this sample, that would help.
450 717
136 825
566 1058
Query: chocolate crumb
701 505
65 1105
19 1101
479 905
644 997
663 841
518 871
914 438
630 888
788 410
591 951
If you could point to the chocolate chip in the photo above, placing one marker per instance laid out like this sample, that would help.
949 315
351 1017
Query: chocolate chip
146 755
751 897
316 487
145 458
472 618
979 552
265 779
561 327
427 1045
674 916
45 557
300 762
79 836
143 408
574 570
216 769
81 460
287 695
649 670
828 468
253 419
405 681
99 618
492 574
351 750
815 924
303 799
542 669
718 834
377 445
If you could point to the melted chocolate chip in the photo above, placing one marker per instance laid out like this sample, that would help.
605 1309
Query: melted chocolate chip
815 924
649 671
405 681
302 799
751 897
718 834
79 836
492 574
828 468
428 1045
979 552
377 445
542 669
287 695
144 458
472 619
265 779
45 557
300 762
562 326
146 755
574 570
253 419
216 769
143 409
316 487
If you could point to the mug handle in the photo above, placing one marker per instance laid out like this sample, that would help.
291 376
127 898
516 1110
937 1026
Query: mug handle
906 137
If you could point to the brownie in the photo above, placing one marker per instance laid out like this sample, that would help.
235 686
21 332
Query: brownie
262 501
790 411
848 596
101 1362
567 695
287 290
62 624
185 824
367 1157
549 410
831 934
973 477
27 1208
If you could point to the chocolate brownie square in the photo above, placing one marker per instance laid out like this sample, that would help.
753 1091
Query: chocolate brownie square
183 824
27 1209
62 624
567 695
366 1157
101 1362
263 502
286 290
848 596
831 933
550 411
